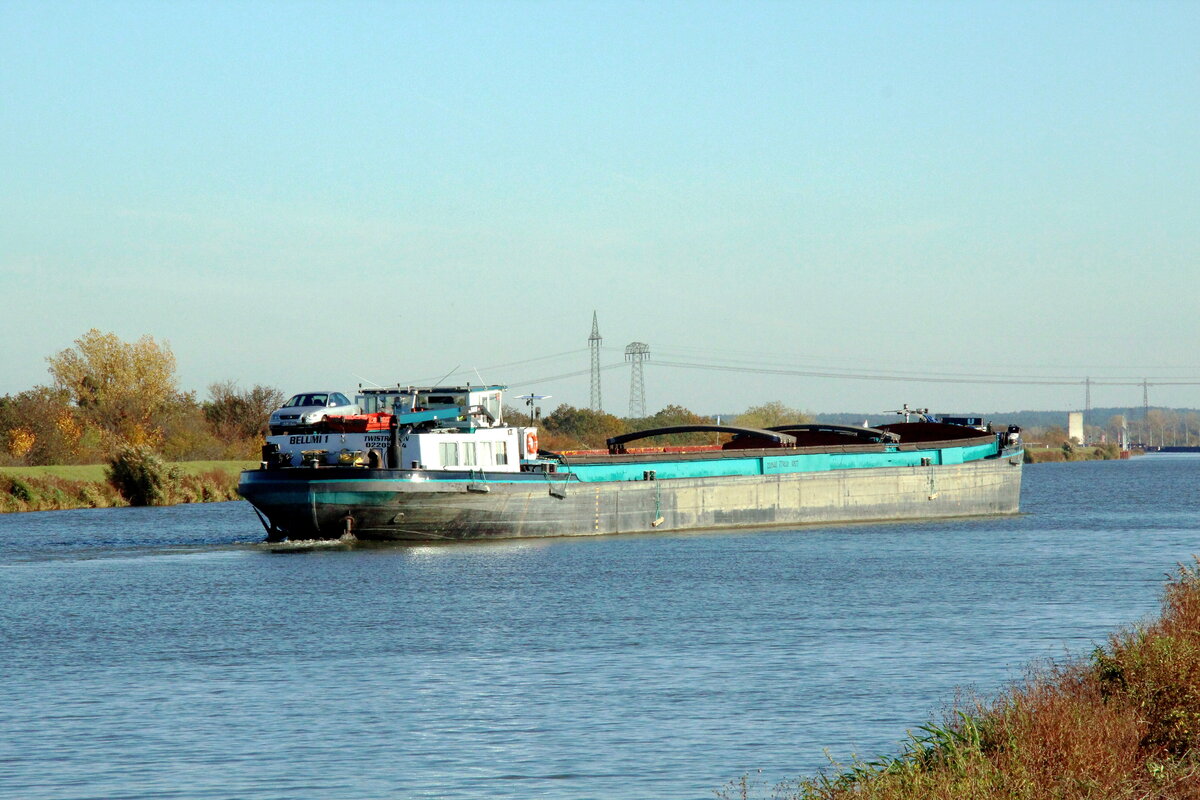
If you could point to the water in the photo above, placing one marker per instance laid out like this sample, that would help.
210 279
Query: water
163 653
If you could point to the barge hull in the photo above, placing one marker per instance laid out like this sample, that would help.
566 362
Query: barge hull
393 505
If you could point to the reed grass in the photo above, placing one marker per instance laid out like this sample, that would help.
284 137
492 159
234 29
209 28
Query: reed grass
1041 455
53 488
1121 724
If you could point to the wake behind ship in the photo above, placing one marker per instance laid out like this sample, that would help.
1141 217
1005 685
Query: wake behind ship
439 463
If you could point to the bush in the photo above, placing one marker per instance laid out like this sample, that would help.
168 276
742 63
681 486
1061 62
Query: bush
213 486
90 495
22 491
141 477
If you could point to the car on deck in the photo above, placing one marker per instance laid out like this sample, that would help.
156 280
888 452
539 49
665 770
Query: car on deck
304 410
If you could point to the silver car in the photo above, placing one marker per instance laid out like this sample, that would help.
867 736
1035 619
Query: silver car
302 411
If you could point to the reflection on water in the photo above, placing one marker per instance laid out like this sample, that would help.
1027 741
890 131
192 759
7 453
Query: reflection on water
154 653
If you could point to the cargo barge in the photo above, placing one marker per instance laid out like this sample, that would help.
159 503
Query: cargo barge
439 463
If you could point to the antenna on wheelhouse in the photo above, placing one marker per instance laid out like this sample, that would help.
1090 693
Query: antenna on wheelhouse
530 399
447 375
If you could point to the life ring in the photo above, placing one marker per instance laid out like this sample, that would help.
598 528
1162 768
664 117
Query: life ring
531 443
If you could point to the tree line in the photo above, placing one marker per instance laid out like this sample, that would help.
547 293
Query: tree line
105 394
570 428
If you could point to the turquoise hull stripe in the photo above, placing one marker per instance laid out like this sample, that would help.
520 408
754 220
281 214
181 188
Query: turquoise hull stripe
356 498
777 465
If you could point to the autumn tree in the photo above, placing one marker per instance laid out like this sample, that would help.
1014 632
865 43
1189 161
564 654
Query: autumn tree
236 413
1054 436
568 427
1156 426
117 386
187 436
672 416
41 426
1114 427
770 414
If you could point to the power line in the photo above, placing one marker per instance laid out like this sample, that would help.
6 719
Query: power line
563 354
522 362
751 356
563 376
819 369
926 378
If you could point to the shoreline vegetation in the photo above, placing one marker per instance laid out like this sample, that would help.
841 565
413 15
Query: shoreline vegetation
1042 454
59 488
1121 723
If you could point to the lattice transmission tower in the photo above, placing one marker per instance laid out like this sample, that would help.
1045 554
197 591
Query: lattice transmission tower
636 353
594 345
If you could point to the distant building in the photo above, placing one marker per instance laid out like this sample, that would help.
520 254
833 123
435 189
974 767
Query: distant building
1075 426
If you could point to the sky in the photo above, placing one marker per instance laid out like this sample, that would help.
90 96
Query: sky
973 207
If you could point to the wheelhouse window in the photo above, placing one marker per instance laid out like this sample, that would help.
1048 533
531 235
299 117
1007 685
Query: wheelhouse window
443 400
491 402
390 403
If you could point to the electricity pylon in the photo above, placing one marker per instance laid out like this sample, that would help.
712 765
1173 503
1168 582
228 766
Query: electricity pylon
636 353
594 345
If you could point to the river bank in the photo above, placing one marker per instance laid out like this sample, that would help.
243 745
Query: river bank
55 488
1121 723
1044 455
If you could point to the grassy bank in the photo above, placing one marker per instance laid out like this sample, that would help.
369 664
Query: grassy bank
1041 455
85 486
1119 725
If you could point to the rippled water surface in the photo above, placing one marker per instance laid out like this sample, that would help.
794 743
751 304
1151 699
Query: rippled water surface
164 653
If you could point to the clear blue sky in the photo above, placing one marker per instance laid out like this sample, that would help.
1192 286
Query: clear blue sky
304 194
